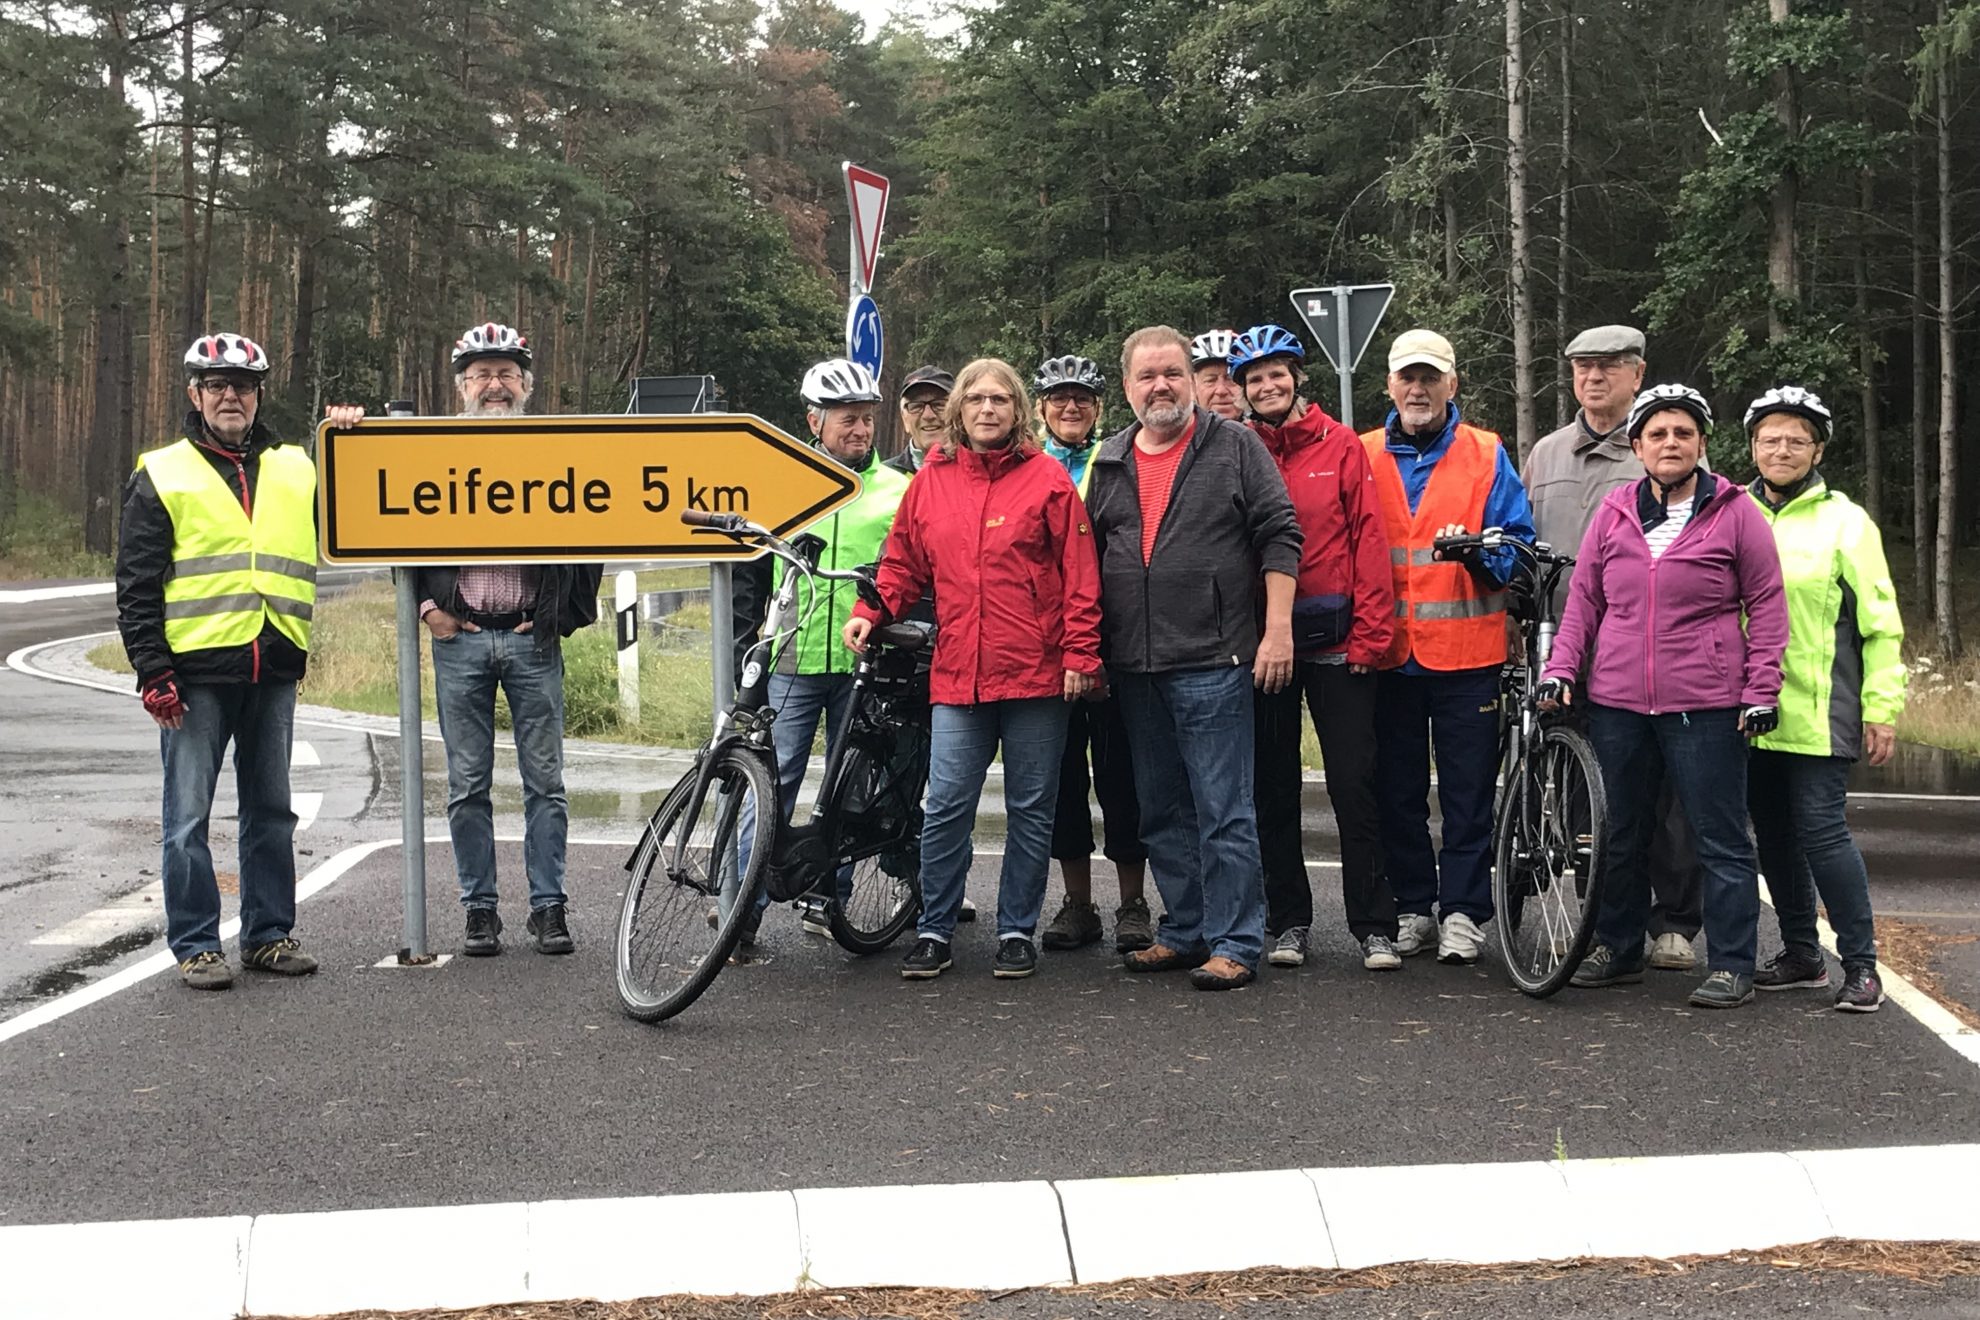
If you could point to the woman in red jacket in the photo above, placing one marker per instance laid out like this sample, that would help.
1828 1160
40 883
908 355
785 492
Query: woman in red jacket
995 529
1343 615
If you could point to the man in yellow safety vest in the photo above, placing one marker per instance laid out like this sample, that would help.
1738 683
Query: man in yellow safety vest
216 584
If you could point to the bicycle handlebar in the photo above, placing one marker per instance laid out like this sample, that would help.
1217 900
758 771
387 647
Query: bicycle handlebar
715 522
740 528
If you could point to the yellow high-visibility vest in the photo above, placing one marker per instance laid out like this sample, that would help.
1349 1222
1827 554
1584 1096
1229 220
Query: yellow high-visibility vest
229 572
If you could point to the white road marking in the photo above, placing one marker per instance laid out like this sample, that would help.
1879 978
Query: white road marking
304 753
29 595
305 805
137 908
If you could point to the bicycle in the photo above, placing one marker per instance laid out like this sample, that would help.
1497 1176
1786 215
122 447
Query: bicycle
720 836
1550 823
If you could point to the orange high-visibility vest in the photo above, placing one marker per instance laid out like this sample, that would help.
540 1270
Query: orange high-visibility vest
1443 616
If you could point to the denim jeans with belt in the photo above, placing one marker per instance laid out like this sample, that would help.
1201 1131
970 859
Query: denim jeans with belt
468 667
1191 734
259 719
1703 754
962 741
1805 845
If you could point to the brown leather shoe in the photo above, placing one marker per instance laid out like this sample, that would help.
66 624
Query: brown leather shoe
1222 974
1162 958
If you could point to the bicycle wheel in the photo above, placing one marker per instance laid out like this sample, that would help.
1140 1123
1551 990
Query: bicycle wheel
1550 845
876 804
668 950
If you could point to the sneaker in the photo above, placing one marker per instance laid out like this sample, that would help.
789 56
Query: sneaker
1134 926
551 930
968 911
1415 932
1290 951
206 971
1671 952
813 919
1378 954
1015 958
284 957
1459 941
484 932
1723 990
1603 967
928 959
1075 926
1791 969
1862 990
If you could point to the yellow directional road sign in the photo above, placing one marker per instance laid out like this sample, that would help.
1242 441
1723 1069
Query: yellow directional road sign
463 490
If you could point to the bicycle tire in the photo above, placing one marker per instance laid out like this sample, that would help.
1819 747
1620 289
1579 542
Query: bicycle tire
881 899
667 952
1550 849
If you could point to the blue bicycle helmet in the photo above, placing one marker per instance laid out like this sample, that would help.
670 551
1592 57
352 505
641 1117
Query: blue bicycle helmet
1262 342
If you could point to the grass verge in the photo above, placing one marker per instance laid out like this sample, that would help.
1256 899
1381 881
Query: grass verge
44 541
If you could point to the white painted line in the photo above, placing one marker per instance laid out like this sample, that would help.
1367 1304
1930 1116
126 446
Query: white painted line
1476 1213
306 806
391 961
303 753
654 1246
399 1260
1125 1228
969 1235
29 595
137 908
163 1269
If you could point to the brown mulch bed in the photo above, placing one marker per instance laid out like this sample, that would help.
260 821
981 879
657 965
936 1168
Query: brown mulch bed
1910 948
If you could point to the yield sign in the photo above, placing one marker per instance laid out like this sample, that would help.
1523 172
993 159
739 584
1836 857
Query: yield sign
866 195
1360 306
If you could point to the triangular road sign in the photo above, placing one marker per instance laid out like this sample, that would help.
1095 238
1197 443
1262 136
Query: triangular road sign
866 196
1319 308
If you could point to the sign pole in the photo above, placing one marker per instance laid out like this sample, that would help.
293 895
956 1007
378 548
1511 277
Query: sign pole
722 634
412 758
625 610
1345 359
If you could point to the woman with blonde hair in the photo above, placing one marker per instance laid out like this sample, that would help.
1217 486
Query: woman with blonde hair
995 529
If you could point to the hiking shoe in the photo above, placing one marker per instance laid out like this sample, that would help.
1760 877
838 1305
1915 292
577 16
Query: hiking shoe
928 959
1862 990
1723 990
1075 926
550 929
1015 958
1290 950
1603 967
284 957
206 971
1378 954
1459 941
1415 932
1134 926
484 933
1791 969
1671 952
813 918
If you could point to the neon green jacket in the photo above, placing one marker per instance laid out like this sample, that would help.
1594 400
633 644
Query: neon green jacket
853 536
1844 666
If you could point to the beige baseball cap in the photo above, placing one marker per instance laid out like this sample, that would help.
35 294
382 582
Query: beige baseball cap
1425 346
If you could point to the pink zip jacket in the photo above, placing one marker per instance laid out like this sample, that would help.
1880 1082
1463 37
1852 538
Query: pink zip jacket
1666 632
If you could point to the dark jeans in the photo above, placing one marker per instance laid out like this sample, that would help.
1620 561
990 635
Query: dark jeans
1342 704
259 719
1458 713
1703 755
1096 726
1673 858
1805 845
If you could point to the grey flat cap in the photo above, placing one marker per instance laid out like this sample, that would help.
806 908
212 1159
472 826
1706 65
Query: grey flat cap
1605 341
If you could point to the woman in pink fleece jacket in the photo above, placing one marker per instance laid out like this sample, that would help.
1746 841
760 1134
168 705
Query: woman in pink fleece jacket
1652 639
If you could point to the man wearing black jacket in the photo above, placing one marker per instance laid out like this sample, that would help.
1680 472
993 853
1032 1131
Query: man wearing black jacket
216 584
502 625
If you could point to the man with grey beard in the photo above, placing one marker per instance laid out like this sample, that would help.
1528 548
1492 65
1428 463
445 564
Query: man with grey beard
502 625
1198 543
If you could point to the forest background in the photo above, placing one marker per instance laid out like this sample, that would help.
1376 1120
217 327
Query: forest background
1774 189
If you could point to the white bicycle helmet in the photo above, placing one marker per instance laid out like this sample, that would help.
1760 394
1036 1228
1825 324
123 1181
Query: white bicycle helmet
1797 401
488 340
1211 346
1660 397
226 352
836 381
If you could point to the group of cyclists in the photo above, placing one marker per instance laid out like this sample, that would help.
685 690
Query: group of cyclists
1731 650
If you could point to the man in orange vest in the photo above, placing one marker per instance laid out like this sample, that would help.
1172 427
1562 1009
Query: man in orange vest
1437 476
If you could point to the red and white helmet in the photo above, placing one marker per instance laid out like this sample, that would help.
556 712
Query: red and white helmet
226 353
491 339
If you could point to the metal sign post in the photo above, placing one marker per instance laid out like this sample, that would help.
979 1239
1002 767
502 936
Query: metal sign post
625 617
412 758
1342 319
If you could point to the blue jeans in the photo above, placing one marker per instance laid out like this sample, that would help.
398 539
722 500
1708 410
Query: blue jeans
1457 713
467 669
962 740
260 720
1805 845
799 700
1190 731
1703 754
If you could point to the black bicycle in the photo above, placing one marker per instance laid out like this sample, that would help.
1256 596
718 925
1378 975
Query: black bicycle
719 836
1551 820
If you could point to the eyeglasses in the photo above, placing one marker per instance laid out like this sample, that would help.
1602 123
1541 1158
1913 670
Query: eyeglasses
1071 399
508 376
923 405
214 387
987 400
1793 444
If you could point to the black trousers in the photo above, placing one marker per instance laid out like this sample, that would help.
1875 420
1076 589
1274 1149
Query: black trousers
1095 727
1342 704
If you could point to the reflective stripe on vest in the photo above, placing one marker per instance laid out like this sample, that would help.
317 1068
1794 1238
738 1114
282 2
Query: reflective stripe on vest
230 574
1444 618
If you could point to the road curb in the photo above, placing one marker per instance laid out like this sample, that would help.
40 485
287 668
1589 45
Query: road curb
1033 1234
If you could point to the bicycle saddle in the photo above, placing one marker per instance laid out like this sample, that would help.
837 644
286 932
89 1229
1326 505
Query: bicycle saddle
908 635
